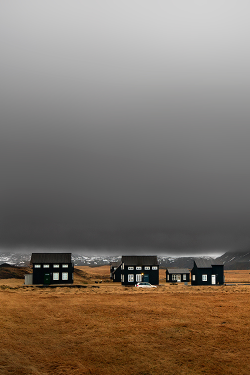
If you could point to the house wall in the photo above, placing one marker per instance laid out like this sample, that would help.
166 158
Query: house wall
153 275
171 280
117 275
39 273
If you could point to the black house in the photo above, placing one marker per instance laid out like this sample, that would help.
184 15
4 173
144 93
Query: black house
177 275
139 268
115 271
207 272
52 268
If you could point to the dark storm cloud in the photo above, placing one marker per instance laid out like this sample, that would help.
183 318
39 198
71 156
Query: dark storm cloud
125 125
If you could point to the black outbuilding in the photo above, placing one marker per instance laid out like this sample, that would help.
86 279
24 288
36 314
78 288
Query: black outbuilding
52 268
177 275
207 272
115 271
135 269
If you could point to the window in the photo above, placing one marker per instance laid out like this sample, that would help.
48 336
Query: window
65 266
138 268
37 265
193 277
56 265
130 268
154 268
168 277
122 266
138 277
114 268
131 278
65 276
46 266
56 276
174 277
122 278
204 277
146 268
184 277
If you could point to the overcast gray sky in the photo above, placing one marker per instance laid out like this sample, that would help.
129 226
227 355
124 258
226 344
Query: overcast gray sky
125 125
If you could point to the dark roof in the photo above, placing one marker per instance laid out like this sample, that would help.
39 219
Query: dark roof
138 260
206 263
50 258
178 270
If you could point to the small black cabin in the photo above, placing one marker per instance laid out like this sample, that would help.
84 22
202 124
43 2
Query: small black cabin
135 269
207 272
52 268
115 271
177 275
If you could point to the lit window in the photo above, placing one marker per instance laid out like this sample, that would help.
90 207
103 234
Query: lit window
184 277
65 266
204 277
56 276
37 265
138 268
131 278
146 268
130 268
138 277
46 266
154 268
65 276
56 265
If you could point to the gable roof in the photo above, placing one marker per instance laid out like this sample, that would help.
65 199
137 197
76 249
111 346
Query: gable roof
50 258
138 260
178 270
206 263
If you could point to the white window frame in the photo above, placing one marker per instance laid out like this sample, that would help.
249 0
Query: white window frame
37 265
154 268
55 275
138 277
174 277
65 266
56 265
46 266
139 268
131 268
131 278
193 277
168 277
146 268
65 276
204 278
184 277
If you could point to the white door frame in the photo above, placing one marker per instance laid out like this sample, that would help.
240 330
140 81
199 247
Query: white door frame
213 279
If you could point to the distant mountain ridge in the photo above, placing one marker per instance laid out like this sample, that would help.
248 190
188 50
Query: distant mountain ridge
233 260
236 260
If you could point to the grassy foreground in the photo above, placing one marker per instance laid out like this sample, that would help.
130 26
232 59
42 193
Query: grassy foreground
174 329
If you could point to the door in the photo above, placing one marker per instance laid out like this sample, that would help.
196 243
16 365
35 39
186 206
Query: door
178 278
46 278
146 278
213 279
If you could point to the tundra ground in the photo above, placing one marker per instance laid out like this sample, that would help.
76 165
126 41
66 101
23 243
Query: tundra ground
109 329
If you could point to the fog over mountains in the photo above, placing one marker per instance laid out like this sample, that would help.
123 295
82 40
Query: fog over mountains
233 260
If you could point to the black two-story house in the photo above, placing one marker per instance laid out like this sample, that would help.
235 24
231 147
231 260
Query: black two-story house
52 268
135 269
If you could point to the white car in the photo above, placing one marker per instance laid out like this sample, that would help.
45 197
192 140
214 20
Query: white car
145 285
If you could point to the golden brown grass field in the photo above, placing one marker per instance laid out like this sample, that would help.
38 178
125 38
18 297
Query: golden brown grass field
109 329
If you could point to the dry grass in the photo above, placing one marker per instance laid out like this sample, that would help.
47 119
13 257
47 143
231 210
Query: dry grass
111 329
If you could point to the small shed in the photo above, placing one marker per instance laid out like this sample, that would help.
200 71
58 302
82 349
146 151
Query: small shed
177 275
52 268
137 268
207 272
